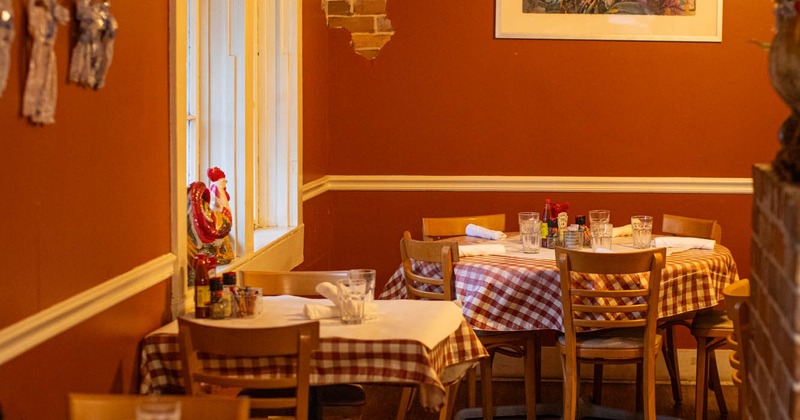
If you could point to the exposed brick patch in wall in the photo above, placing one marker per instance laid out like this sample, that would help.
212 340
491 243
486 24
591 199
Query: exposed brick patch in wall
366 21
773 355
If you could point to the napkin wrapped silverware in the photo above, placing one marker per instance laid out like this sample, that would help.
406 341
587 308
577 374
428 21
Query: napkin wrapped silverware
482 232
480 249
684 242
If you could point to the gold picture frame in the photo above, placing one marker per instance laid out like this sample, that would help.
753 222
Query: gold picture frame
705 25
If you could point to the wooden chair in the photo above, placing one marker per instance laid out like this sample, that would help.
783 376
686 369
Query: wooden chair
344 399
715 329
293 342
123 406
697 228
692 227
737 301
435 228
620 339
526 344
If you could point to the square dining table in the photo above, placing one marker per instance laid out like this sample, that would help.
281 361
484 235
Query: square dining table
416 343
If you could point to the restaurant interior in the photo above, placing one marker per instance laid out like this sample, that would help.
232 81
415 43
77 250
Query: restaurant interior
443 119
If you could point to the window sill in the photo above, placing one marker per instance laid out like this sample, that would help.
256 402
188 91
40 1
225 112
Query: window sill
275 249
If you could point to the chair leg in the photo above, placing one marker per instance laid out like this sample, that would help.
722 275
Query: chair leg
486 388
531 367
640 385
405 402
597 384
447 411
472 379
701 389
569 370
716 385
670 352
648 388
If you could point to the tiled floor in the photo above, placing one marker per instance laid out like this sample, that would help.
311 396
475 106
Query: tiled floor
382 400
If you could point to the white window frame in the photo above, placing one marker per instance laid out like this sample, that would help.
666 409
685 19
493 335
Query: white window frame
262 161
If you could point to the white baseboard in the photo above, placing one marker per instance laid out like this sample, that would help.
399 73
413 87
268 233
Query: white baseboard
509 367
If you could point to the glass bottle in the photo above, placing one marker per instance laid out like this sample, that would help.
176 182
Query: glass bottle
546 216
217 303
228 289
202 291
552 235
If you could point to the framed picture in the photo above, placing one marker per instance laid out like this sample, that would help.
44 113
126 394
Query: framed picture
628 20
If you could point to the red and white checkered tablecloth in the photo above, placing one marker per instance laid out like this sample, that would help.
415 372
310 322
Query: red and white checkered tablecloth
513 293
337 361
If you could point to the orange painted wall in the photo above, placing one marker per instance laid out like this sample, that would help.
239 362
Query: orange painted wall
85 199
444 97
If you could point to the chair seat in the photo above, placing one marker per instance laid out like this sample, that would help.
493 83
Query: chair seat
339 395
612 338
712 323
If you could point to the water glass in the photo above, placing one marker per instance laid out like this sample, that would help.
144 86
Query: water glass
642 227
368 275
352 296
601 235
599 216
531 233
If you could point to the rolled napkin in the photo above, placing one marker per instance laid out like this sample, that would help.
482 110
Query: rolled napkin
622 231
684 242
480 249
482 232
329 291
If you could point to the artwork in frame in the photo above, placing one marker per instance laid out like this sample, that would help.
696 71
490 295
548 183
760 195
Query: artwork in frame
623 20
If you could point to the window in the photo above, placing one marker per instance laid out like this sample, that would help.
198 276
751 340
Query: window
240 91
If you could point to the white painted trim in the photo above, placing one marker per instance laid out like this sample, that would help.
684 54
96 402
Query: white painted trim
37 328
658 185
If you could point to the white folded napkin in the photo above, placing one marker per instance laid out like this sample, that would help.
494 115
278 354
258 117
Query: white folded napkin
684 242
329 291
621 231
314 311
482 232
481 249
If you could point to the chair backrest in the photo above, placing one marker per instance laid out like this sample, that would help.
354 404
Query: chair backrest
296 283
419 286
123 406
294 342
434 228
690 226
597 300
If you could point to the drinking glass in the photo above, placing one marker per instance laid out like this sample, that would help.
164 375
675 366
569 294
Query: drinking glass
642 227
599 216
368 275
601 235
530 231
352 293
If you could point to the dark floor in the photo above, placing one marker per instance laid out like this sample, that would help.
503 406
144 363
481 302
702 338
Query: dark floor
382 401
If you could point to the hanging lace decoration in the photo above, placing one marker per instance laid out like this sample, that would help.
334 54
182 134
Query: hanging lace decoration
92 54
41 87
6 38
